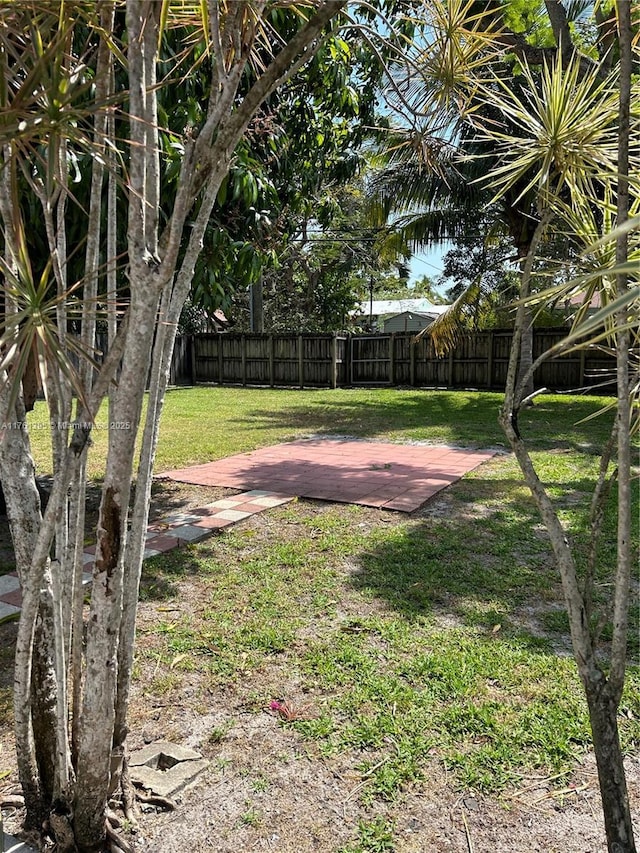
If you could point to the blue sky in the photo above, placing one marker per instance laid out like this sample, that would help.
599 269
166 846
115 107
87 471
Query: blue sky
428 262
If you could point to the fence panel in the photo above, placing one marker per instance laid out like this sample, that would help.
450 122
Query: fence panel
181 369
479 360
370 360
205 356
286 360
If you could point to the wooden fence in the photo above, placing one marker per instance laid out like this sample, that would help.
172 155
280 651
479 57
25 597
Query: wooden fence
302 360
478 361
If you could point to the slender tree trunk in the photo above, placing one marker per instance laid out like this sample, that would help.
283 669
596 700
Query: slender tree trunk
172 302
44 692
17 473
526 356
603 704
603 716
523 235
603 693
98 704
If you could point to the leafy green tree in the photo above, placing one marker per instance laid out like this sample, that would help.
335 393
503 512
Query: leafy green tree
396 286
327 266
302 147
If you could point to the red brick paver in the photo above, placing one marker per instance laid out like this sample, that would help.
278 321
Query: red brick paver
171 532
381 474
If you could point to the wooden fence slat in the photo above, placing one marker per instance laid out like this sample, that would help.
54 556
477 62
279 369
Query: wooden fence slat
412 362
300 362
334 361
392 359
330 360
490 361
272 362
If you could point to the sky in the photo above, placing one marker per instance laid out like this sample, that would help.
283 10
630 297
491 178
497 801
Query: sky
428 262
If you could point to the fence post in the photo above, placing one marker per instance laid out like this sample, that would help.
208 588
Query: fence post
272 364
349 356
220 359
192 355
412 361
583 357
490 362
300 362
243 353
392 359
450 378
333 379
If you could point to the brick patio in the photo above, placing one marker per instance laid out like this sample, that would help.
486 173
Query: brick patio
378 474
372 473
171 532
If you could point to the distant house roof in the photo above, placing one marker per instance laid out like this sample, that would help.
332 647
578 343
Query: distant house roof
219 321
408 321
383 307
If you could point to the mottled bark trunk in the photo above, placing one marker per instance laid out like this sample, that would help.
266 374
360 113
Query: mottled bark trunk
33 581
603 716
171 306
23 509
526 357
44 692
602 692
522 230
97 717
604 700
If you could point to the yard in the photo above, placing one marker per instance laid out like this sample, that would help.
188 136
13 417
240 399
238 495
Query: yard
428 698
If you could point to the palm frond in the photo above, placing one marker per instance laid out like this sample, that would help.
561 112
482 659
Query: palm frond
433 227
31 327
446 330
462 41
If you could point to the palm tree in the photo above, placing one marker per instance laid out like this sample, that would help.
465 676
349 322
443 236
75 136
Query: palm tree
430 188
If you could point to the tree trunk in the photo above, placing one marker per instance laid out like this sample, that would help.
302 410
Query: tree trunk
526 356
603 715
256 312
602 693
522 231
44 691
98 705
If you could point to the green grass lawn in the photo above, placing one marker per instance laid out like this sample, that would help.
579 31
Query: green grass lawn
205 423
398 640
406 638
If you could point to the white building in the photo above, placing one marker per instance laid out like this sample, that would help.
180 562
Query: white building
398 315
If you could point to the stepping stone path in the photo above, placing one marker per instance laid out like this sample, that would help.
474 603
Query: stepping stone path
164 535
